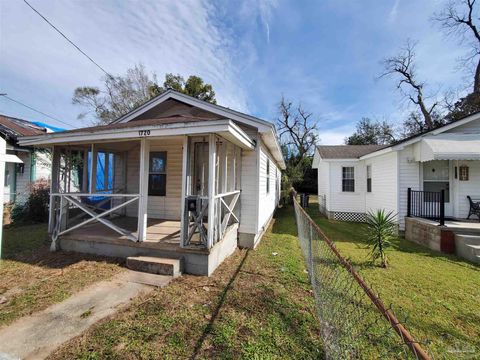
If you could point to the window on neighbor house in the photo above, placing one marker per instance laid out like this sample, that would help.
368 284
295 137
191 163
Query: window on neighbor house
268 176
348 179
157 177
369 178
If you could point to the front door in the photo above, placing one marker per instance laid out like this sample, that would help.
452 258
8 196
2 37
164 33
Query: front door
437 177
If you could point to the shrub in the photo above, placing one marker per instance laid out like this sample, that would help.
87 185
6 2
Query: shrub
35 208
381 230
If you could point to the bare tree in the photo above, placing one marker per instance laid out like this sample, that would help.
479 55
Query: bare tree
402 66
459 19
296 129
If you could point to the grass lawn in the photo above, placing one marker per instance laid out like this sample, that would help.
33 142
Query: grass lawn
439 293
257 305
32 277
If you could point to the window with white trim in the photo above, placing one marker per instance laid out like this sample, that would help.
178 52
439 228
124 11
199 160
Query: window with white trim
157 176
348 179
268 175
369 178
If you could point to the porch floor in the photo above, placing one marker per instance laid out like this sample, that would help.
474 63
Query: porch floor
161 234
453 225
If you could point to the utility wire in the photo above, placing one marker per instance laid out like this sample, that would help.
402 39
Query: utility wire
38 111
70 41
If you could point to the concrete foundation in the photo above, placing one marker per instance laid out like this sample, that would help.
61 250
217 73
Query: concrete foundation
423 233
195 261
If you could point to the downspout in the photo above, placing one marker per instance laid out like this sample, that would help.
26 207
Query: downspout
14 186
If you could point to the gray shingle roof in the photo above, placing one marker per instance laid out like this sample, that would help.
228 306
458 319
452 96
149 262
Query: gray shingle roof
347 151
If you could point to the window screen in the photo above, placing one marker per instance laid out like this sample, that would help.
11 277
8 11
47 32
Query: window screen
348 179
157 177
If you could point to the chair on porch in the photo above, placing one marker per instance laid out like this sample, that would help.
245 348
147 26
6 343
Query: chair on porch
474 207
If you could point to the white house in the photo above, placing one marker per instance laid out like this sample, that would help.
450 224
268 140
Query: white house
183 179
34 164
353 180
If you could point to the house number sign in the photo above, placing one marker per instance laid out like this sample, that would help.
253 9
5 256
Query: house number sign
143 132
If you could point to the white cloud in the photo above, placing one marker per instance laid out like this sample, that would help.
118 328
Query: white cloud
392 16
42 69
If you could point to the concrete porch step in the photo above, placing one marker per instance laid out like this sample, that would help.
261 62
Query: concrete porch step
156 265
468 247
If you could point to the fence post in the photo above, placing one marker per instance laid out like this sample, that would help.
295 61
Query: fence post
409 202
442 207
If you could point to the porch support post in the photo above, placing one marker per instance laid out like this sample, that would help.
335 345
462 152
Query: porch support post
185 191
212 147
54 186
85 171
143 189
93 170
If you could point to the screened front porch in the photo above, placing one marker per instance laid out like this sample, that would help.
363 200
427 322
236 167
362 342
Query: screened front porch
160 191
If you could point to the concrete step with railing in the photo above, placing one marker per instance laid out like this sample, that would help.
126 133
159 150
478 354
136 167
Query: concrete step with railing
156 265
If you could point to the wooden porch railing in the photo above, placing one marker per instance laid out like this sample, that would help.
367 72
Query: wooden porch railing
196 212
62 203
426 204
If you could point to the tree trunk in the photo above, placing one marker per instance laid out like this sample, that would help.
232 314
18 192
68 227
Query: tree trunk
426 114
476 84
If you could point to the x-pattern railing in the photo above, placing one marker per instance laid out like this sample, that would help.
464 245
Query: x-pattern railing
67 199
223 223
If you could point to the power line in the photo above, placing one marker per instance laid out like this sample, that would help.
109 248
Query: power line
38 111
66 38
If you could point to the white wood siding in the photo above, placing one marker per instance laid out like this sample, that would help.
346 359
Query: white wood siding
249 195
384 183
473 127
347 201
409 177
159 207
464 188
267 201
323 174
169 206
249 186
42 166
23 180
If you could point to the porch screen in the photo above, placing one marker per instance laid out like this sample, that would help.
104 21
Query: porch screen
157 177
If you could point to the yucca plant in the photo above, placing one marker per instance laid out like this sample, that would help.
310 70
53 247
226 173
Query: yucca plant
381 230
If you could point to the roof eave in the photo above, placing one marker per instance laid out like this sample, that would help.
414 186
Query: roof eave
119 134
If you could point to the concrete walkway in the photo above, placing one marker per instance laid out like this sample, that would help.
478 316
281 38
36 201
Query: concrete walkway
36 336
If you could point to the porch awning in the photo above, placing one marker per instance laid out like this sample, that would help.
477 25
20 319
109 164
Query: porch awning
10 158
450 147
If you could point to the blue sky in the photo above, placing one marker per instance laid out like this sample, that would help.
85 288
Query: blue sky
325 54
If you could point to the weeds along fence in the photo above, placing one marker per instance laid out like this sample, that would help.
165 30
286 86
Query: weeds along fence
355 323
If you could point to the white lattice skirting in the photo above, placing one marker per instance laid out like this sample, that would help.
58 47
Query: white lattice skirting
348 216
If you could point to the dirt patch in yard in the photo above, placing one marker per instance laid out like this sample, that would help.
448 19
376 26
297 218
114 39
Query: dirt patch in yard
257 304
32 277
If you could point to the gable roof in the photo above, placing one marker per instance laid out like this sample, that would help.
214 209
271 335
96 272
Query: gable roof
347 151
13 128
190 100
208 113
174 119
367 151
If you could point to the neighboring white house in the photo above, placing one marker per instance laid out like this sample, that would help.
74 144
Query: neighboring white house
186 178
35 164
355 179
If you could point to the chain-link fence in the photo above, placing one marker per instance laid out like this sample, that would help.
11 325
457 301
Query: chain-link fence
355 324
